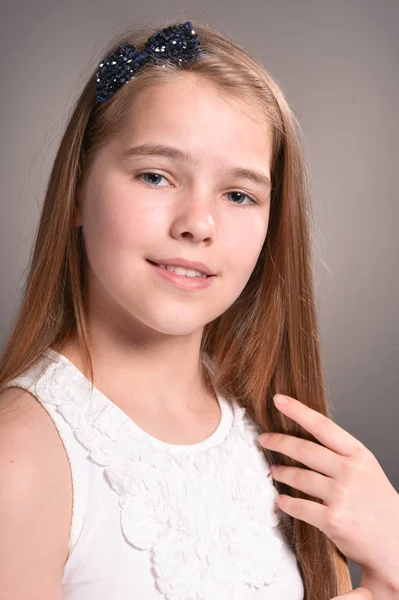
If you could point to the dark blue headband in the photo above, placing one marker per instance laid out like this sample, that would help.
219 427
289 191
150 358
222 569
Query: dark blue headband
177 43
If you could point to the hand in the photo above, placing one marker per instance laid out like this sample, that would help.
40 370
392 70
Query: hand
360 510
359 593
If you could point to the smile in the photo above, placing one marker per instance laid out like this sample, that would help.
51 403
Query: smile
188 279
182 271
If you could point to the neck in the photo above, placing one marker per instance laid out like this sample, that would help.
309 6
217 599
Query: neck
159 377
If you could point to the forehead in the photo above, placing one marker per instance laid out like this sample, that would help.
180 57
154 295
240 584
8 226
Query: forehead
191 113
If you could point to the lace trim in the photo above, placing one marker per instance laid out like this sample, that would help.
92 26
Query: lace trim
207 517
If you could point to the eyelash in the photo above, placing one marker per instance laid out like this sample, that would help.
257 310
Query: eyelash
140 175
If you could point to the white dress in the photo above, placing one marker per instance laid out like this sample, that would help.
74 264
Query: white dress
153 520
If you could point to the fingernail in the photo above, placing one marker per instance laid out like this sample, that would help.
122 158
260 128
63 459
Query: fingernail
279 399
264 437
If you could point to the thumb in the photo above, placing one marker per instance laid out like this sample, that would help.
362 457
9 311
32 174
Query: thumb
360 593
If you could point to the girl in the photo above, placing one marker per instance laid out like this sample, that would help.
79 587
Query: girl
168 306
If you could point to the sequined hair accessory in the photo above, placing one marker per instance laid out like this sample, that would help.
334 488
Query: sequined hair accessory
177 43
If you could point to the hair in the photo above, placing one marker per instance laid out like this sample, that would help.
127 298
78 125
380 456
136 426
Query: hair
267 341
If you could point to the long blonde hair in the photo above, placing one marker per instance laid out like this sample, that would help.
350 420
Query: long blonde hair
267 341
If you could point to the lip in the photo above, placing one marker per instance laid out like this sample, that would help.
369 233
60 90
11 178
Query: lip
186 264
181 281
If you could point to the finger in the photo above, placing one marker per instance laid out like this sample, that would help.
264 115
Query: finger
309 453
359 593
311 512
307 481
321 427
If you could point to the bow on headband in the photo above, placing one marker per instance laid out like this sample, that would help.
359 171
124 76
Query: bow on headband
178 43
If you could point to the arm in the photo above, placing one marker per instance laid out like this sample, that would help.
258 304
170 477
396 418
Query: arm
34 500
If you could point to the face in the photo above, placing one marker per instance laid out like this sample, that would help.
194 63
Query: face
141 207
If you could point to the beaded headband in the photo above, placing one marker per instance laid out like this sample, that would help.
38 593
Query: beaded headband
178 43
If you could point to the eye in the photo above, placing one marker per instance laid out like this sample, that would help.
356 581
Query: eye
242 195
152 176
157 176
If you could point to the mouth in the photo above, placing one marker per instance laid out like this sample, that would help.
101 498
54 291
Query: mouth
182 278
189 272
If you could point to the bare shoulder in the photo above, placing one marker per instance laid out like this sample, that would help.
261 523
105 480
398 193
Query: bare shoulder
35 500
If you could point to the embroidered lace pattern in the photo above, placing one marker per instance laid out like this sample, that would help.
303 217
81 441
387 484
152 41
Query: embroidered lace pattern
205 516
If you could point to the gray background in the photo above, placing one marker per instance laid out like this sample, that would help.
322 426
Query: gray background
337 61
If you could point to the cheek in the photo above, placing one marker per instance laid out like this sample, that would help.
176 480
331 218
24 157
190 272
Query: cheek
244 246
118 239
117 223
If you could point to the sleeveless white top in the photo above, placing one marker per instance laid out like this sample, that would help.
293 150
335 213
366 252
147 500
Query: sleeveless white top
153 520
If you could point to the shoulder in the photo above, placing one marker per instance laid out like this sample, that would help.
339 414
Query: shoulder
35 498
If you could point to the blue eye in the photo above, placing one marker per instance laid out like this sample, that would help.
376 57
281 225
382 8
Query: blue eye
152 175
156 175
251 200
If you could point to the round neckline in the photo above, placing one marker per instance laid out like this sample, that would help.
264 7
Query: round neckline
226 412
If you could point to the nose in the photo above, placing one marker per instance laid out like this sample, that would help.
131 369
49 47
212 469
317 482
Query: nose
194 219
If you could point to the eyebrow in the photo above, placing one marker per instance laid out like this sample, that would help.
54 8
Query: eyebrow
171 152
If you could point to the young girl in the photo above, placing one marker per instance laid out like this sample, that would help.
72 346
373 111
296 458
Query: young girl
168 306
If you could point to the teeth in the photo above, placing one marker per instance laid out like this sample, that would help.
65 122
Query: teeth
181 271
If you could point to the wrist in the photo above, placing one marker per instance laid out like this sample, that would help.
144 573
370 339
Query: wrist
382 588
